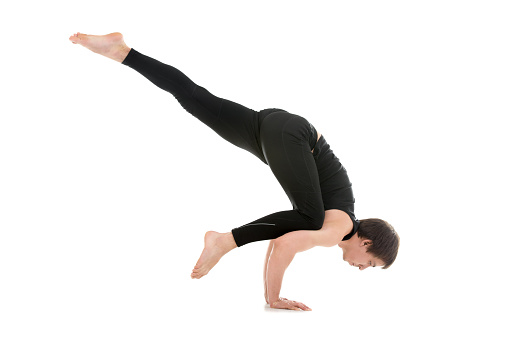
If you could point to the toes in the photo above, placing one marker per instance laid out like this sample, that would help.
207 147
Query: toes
197 274
74 38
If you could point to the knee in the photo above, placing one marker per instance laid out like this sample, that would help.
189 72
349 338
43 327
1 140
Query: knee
316 220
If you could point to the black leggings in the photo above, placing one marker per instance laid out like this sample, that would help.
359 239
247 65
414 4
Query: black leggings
278 138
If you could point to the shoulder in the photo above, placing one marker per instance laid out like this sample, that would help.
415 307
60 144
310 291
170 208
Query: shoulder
336 226
335 214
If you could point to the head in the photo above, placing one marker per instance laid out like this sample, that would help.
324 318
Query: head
376 243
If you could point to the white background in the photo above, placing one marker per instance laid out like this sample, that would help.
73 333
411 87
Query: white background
107 185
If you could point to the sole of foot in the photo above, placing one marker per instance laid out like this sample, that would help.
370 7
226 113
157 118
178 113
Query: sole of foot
212 253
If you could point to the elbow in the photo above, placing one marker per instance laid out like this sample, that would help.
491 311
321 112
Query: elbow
278 243
283 249
280 248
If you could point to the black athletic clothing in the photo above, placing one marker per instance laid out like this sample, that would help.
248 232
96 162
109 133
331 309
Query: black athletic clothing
314 182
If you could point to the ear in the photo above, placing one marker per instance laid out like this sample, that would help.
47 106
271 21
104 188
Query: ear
366 242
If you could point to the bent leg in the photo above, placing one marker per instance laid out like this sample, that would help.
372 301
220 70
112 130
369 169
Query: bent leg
285 139
233 122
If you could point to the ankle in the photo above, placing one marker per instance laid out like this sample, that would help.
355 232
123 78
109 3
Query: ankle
227 241
120 53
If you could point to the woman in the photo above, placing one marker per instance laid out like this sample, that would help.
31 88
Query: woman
311 175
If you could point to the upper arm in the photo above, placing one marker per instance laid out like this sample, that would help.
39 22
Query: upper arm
297 241
337 224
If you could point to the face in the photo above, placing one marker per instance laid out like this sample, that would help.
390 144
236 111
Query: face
358 257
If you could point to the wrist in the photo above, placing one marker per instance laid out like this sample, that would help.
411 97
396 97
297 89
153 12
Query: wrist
273 301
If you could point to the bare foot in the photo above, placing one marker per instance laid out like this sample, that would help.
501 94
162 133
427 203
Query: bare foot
110 45
216 245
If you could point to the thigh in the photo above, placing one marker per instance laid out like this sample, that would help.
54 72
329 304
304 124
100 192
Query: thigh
234 122
285 144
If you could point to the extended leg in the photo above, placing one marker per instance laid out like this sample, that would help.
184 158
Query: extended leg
235 123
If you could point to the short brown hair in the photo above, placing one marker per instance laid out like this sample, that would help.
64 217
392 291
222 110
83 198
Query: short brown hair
384 237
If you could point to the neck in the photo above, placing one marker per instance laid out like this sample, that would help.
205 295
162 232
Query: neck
350 242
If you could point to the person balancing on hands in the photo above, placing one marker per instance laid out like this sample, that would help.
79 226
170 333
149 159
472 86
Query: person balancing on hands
300 158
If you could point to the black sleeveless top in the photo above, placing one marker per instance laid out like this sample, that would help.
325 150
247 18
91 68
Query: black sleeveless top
334 182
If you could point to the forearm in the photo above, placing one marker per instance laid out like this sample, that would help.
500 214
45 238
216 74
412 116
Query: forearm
279 260
265 265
